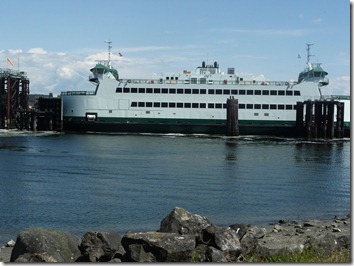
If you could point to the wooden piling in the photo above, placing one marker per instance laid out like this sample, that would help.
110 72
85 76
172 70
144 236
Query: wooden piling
340 120
232 128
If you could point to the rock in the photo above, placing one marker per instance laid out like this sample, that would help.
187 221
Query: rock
241 229
215 255
226 239
250 239
158 247
182 222
35 257
99 246
61 246
278 227
11 243
311 223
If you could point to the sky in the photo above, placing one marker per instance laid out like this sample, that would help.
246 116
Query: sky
57 42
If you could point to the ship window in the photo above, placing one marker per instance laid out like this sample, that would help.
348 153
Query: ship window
187 105
273 106
218 105
187 91
172 105
141 90
257 106
133 90
297 93
289 107
179 105
149 104
281 92
167 78
157 90
194 80
257 92
289 93
242 92
272 92
148 90
295 107
256 114
202 91
156 104
195 91
265 106
211 91
179 91
234 92
265 92
164 104
126 90
218 91
164 90
281 106
119 89
172 91
176 78
317 74
224 105
141 104
266 114
226 92
202 105
202 80
241 106
249 92
195 105
134 104
210 105
249 106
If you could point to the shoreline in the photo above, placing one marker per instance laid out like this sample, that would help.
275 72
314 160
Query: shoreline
278 234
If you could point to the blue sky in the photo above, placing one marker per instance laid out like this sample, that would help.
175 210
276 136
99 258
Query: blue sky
57 42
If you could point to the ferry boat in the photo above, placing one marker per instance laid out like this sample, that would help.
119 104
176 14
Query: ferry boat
192 102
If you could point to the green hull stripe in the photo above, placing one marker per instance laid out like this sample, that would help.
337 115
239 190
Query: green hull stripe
180 121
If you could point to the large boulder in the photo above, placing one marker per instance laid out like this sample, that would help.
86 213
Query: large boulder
99 246
182 222
227 240
60 246
157 247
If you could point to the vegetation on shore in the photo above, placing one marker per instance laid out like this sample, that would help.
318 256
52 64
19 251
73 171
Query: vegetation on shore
307 255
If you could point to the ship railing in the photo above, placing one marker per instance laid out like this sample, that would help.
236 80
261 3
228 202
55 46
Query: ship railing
78 93
209 82
336 97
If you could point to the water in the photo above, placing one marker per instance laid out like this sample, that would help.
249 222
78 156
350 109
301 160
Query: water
79 183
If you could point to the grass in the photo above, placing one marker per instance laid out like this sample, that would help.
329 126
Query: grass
307 255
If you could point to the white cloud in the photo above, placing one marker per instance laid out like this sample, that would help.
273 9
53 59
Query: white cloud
338 86
37 51
318 21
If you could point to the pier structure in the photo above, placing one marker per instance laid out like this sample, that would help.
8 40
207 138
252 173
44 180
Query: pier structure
232 128
14 91
319 119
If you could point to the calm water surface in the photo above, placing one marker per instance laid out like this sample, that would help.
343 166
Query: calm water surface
88 182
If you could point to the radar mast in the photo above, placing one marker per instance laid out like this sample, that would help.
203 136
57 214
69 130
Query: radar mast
109 53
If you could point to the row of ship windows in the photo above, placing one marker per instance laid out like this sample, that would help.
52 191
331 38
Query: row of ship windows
214 105
208 91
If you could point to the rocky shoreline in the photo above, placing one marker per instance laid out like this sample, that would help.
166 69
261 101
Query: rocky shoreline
182 237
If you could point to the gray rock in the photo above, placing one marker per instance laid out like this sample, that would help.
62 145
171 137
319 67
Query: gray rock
99 246
241 229
158 246
182 222
226 239
215 255
35 257
61 246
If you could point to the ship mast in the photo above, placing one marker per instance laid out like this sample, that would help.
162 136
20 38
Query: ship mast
308 52
109 53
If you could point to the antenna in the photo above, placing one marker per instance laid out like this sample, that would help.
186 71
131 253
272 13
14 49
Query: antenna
308 52
109 53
